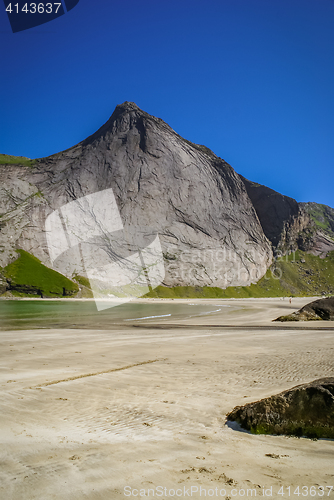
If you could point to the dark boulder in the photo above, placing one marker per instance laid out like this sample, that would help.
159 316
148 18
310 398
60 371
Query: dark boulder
305 410
321 309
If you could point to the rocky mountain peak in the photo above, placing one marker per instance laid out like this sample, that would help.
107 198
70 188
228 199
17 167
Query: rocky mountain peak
126 116
128 106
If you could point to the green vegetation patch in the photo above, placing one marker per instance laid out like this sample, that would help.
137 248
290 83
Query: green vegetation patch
298 275
16 160
82 280
318 215
297 429
28 276
322 215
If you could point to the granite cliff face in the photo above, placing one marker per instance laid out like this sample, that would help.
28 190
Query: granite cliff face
198 205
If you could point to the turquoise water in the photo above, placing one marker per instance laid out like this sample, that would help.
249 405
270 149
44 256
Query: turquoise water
21 314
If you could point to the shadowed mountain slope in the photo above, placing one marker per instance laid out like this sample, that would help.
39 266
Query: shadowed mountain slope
290 225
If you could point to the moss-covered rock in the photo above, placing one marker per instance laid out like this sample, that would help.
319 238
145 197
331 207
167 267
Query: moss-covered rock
322 309
305 410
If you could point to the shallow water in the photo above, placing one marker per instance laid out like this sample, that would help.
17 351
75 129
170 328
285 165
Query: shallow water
31 314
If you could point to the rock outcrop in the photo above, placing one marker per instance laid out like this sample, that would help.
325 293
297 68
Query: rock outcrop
322 309
290 225
322 218
3 284
305 410
197 204
321 244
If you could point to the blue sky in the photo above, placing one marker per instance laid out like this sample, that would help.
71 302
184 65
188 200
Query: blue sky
251 79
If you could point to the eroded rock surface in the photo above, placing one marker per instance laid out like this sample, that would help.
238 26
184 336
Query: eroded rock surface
305 410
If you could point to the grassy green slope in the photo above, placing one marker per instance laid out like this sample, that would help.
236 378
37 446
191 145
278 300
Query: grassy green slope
299 274
16 160
322 215
28 276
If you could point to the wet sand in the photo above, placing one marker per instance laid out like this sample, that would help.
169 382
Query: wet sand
85 413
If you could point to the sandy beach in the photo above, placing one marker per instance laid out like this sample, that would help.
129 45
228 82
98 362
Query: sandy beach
140 408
